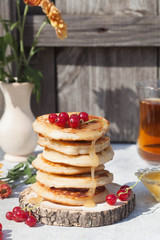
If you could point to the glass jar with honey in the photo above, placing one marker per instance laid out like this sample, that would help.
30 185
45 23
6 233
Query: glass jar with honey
149 126
150 177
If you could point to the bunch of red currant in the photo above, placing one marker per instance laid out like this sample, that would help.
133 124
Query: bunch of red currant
1 234
19 215
5 191
63 119
122 194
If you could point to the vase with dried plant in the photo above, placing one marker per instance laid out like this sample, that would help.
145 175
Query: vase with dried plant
17 138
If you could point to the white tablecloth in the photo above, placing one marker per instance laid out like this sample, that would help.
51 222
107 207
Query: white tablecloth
142 224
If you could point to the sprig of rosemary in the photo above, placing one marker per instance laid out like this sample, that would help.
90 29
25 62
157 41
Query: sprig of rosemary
21 173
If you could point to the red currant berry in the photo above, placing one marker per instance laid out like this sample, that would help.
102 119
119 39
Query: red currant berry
111 199
15 209
84 116
60 121
31 221
21 215
52 117
0 227
122 195
74 115
9 215
127 188
65 115
73 121
15 218
1 235
28 213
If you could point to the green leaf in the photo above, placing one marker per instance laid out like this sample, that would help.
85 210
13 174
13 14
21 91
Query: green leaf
33 75
4 74
4 24
30 159
36 50
14 25
31 180
10 40
3 47
18 166
10 58
27 171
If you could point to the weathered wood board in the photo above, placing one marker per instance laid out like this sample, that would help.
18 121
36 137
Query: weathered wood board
111 45
108 7
60 215
45 61
102 80
99 31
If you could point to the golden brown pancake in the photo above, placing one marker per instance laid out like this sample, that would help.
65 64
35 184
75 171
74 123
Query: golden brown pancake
86 132
73 147
78 160
42 164
74 181
74 197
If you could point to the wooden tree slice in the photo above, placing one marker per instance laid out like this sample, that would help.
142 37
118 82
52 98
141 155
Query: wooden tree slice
60 215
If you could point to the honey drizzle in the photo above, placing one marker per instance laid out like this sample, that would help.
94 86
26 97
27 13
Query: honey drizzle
95 160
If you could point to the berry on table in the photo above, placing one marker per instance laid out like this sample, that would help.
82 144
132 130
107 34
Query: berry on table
21 215
31 221
1 235
52 117
9 215
15 209
28 213
15 218
84 116
111 199
0 226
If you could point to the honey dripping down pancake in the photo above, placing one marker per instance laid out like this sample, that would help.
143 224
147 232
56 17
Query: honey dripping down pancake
41 163
90 202
78 160
73 147
68 196
101 178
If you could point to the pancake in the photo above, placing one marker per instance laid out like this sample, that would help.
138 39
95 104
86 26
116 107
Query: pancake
79 160
41 163
86 132
79 181
73 148
74 197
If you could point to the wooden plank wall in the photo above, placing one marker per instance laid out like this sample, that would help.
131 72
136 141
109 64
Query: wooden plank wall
100 80
7 11
111 45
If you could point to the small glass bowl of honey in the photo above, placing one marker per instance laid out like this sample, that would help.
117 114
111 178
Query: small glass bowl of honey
150 177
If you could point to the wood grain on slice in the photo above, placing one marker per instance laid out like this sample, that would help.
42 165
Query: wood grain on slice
61 215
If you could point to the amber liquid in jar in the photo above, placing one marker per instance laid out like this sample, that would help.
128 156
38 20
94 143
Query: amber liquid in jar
149 131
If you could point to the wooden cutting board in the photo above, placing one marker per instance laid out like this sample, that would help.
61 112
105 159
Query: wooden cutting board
60 215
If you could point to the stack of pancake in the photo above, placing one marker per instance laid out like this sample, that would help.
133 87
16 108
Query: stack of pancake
71 167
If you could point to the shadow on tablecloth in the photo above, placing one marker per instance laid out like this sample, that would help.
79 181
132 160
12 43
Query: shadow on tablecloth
145 202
